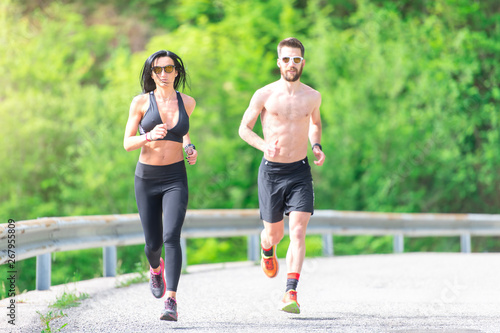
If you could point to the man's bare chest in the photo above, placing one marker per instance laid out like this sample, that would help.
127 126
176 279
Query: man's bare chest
291 108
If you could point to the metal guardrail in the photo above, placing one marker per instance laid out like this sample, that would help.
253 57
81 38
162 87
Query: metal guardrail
43 236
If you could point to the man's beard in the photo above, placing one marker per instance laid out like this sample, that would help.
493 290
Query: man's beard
292 77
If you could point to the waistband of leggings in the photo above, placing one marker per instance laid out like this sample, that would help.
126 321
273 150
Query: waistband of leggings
147 171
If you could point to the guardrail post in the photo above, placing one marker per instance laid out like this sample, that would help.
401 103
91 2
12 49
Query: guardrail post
253 248
109 261
465 243
399 243
43 272
328 245
184 254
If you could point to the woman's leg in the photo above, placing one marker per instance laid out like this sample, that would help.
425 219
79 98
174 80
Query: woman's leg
149 204
175 201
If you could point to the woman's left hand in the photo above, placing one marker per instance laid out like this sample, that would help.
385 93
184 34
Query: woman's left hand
192 155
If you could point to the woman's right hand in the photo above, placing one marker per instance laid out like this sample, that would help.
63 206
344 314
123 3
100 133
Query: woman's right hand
158 132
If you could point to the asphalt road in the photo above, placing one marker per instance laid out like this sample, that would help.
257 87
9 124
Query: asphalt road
421 292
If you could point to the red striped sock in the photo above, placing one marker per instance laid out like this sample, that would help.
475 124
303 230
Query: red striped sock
267 252
292 281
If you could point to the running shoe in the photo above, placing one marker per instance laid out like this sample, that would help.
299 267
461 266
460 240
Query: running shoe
290 304
157 281
170 313
270 264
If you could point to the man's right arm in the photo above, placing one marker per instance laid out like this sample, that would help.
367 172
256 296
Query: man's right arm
248 122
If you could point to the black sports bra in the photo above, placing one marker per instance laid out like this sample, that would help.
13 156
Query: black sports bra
152 118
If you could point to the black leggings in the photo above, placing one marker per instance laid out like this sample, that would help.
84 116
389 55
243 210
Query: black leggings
162 189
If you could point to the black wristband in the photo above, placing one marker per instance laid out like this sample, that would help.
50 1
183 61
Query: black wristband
189 145
317 144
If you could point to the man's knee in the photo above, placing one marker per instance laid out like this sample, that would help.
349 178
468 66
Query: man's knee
274 232
298 233
275 238
298 225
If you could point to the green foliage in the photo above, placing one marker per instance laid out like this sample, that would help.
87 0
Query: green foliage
68 300
409 102
214 250
53 108
428 244
415 124
139 277
25 278
65 301
71 266
485 244
66 267
131 258
348 245
48 317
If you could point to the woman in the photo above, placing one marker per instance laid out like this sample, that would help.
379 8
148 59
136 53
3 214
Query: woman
161 114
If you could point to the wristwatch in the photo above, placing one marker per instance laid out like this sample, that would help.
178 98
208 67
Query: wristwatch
317 144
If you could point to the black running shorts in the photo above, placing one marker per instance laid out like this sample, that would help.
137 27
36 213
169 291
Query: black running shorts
284 188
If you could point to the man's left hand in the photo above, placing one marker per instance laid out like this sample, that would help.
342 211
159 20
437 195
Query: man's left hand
319 155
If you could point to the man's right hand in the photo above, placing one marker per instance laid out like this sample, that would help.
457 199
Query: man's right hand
272 149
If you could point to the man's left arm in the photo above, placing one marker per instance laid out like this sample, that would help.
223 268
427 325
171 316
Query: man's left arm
315 133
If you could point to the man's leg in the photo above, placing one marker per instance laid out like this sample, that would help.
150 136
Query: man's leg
272 234
270 237
294 259
297 250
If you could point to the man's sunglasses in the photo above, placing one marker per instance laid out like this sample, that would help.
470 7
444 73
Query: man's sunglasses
295 60
168 69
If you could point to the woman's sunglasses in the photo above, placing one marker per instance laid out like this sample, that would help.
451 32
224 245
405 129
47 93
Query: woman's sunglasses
168 69
295 60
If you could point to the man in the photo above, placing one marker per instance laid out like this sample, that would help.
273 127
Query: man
289 112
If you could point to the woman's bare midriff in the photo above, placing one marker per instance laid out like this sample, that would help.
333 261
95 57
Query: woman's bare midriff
161 152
